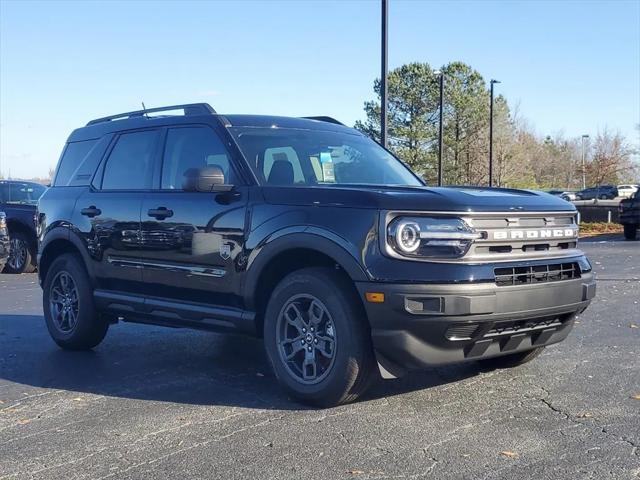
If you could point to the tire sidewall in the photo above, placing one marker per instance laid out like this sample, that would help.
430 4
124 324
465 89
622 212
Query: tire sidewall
349 347
28 257
86 311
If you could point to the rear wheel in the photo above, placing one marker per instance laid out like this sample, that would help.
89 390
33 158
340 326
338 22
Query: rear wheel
21 258
511 360
630 231
317 338
69 311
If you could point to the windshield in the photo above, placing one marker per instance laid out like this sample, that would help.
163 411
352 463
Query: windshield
295 157
22 193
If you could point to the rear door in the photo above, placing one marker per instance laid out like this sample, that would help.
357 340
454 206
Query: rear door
108 214
192 242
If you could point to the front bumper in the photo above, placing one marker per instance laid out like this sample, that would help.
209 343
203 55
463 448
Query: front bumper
418 326
4 251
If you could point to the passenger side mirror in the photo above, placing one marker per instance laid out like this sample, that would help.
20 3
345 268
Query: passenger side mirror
208 179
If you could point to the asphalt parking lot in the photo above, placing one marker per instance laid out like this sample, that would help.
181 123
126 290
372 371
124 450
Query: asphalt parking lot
157 403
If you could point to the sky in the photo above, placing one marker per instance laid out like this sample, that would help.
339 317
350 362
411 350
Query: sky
569 66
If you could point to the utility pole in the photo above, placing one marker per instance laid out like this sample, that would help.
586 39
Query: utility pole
441 127
383 75
584 172
493 82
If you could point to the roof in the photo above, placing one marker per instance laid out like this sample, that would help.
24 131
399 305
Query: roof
197 113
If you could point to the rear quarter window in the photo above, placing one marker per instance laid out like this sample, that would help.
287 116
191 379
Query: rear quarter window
72 164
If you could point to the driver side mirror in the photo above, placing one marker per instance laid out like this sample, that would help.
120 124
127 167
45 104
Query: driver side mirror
208 179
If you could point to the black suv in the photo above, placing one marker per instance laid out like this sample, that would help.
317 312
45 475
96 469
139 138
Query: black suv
307 233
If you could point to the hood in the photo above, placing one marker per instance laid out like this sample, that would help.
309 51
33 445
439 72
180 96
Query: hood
444 199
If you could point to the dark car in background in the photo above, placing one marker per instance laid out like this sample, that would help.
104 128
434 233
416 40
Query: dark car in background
602 192
629 209
4 241
18 200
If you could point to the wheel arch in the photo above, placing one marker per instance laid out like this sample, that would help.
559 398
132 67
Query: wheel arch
58 242
287 254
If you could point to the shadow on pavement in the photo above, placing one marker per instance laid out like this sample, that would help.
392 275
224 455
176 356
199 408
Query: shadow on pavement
168 365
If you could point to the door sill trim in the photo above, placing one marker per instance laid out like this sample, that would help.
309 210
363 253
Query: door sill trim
160 311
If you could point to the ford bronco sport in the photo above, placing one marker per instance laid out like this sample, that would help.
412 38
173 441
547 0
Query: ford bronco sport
308 234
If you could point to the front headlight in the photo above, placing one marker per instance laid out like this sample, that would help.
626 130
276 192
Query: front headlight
430 237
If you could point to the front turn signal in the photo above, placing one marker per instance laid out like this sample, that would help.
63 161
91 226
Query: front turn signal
374 297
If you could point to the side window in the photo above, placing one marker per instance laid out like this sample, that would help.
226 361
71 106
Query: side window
190 148
281 166
130 163
4 193
72 158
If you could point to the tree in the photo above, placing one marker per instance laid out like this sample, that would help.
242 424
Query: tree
610 161
412 116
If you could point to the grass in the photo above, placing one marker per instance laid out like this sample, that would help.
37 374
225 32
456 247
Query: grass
588 229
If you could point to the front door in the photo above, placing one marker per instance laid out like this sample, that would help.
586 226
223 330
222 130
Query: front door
192 241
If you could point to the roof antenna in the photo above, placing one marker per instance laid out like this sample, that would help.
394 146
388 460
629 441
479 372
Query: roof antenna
144 109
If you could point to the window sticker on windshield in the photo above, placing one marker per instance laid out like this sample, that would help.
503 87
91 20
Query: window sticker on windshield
328 173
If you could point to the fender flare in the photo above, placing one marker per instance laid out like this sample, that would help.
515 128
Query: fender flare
63 232
322 241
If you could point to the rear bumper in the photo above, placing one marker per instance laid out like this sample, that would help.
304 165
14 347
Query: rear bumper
418 326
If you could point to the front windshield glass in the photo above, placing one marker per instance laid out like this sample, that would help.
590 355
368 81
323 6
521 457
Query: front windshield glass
297 157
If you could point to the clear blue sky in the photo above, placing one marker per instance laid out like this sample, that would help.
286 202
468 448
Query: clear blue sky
572 66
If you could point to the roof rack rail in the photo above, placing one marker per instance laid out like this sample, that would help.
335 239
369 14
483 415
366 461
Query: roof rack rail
189 109
325 119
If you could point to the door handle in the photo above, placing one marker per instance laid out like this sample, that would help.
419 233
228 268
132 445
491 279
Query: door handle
160 213
91 212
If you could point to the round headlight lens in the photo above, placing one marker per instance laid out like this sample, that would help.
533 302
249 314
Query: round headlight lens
408 236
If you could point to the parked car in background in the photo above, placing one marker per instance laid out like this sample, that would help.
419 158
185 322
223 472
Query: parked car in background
4 241
563 194
18 200
603 192
627 191
629 209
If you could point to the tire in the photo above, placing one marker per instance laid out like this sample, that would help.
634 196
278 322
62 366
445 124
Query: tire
511 360
630 231
81 328
340 318
21 257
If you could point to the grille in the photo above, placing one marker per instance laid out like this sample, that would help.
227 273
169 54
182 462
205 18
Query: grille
522 326
523 236
461 331
554 272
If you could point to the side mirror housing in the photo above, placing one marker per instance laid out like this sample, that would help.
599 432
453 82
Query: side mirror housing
208 179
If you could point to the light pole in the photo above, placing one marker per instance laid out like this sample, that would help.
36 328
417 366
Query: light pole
440 125
383 76
584 173
493 82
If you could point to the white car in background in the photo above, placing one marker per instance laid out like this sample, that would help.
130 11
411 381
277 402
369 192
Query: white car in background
627 191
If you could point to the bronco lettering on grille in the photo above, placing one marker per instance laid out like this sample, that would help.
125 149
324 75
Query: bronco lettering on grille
534 234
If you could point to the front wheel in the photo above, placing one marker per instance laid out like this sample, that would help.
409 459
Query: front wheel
20 255
69 311
630 231
511 360
317 338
